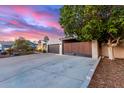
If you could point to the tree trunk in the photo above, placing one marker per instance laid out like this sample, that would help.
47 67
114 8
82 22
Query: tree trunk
110 53
111 44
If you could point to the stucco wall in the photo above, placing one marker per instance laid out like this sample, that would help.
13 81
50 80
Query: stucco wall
118 51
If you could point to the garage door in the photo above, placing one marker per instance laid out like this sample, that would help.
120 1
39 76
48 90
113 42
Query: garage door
78 48
53 48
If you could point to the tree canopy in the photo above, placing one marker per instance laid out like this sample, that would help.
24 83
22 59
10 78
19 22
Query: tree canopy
46 39
23 46
93 22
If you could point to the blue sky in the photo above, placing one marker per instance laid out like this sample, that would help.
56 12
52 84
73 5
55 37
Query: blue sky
31 22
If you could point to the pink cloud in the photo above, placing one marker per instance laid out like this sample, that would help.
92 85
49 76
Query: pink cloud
38 16
30 35
14 22
3 19
22 10
25 11
53 24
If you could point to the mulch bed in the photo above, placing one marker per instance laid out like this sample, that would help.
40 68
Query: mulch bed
109 74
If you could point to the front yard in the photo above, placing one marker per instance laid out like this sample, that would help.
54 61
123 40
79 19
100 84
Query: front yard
109 74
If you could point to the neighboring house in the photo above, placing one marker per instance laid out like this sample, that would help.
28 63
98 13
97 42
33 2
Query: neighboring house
4 45
33 45
40 47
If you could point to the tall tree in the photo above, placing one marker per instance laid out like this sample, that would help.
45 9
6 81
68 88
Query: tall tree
46 39
102 23
22 46
71 20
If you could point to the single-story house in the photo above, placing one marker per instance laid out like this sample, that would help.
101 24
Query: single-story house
71 45
40 46
94 49
33 45
4 45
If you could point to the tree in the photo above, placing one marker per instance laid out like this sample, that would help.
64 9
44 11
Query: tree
71 20
46 39
102 23
22 46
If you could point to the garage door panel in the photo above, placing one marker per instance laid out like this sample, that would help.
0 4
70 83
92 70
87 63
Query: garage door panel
78 48
54 48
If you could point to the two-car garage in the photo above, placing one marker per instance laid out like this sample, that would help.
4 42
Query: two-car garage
77 48
72 47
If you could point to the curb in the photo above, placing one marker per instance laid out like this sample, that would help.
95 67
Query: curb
90 74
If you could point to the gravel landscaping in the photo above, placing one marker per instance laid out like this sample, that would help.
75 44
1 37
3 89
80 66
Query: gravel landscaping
109 74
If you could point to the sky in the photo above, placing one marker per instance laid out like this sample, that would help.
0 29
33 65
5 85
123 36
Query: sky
31 22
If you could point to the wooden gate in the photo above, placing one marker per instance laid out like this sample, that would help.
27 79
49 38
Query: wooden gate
77 48
53 48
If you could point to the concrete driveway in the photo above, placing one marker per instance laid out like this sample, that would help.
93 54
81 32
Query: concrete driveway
44 70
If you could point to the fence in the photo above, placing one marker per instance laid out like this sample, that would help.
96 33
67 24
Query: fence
118 51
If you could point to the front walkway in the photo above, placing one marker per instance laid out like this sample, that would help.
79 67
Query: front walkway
44 70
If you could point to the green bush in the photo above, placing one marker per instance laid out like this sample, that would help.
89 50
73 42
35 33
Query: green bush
22 47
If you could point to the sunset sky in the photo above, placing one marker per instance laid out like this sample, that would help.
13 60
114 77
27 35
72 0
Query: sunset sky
30 22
